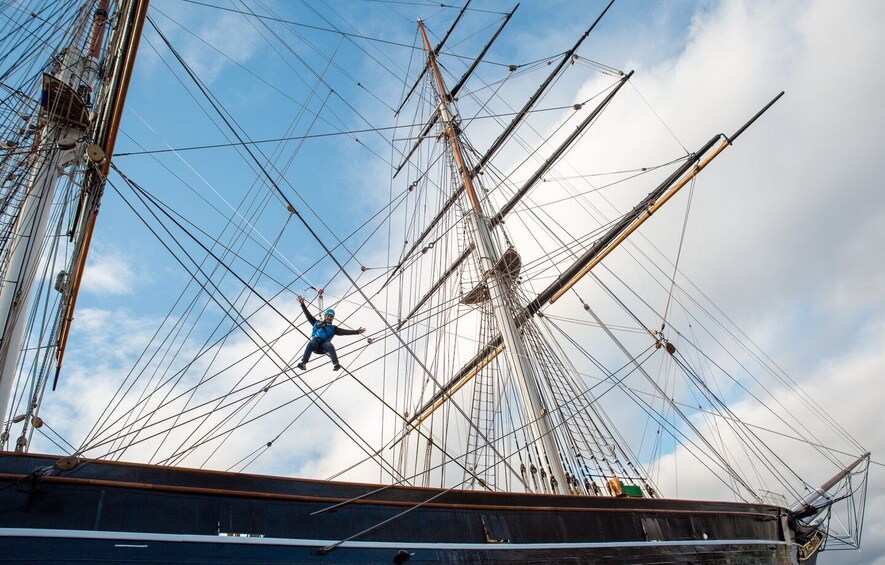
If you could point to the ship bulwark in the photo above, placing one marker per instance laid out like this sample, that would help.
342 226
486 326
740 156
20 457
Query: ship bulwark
114 512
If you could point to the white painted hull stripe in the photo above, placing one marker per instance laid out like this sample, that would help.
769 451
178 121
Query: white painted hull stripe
140 538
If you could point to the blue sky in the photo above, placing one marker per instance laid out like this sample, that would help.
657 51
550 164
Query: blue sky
784 231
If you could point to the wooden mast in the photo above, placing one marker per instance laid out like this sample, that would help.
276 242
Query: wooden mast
64 124
93 129
539 429
106 136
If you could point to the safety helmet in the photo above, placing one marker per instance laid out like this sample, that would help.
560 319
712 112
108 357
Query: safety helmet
330 312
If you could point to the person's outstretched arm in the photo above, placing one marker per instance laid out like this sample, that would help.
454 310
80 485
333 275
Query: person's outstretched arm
310 319
341 331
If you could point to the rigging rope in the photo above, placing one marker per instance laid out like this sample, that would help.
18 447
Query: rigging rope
678 253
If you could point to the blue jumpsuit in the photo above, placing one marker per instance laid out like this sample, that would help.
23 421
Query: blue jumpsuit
321 337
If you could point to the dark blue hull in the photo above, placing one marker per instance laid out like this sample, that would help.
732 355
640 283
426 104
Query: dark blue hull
47 548
105 512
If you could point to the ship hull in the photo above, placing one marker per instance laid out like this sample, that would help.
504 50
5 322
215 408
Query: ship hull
113 512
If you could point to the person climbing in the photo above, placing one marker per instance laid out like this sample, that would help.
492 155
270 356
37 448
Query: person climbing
321 336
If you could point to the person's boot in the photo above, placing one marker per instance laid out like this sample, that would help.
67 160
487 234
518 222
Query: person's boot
336 366
301 366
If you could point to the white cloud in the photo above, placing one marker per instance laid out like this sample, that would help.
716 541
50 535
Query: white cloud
208 44
786 224
233 36
856 375
109 271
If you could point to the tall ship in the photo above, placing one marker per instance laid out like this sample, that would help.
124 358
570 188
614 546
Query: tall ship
539 378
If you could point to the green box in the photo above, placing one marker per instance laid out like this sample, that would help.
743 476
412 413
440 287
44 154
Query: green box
632 490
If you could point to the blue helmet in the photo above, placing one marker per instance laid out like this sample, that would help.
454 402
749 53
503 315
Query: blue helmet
330 312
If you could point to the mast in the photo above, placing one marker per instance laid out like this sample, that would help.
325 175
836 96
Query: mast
63 124
507 132
74 122
125 48
489 256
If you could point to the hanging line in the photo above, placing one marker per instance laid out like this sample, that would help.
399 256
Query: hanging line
678 253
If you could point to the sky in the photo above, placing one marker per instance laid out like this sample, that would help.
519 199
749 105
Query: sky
784 230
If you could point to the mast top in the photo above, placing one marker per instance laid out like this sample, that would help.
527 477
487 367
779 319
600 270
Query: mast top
450 130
